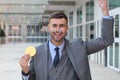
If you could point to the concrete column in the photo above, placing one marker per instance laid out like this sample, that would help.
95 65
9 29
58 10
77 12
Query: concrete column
84 21
24 33
74 23
6 31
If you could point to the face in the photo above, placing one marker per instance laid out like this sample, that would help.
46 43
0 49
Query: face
58 29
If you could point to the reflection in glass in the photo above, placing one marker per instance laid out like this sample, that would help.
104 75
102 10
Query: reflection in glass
114 4
79 15
70 33
90 10
71 19
111 56
87 31
116 55
92 31
117 26
79 31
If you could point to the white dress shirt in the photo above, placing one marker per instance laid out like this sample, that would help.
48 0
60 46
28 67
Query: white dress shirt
52 50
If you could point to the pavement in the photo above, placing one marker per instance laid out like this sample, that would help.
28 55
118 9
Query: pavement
10 55
99 72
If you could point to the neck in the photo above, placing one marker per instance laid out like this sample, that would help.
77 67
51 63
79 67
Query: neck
57 43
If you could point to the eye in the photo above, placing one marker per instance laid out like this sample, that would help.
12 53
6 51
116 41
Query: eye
54 25
62 25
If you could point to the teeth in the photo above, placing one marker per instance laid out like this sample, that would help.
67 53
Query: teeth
57 34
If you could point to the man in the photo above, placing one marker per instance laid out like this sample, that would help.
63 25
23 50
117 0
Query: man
69 60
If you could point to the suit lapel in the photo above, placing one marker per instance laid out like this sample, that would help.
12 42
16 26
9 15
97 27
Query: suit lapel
70 53
72 57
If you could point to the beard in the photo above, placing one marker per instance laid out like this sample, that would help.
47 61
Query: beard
57 40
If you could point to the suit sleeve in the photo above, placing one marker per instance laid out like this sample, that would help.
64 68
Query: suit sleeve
105 40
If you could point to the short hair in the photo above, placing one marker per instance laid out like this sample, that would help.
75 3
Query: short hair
58 15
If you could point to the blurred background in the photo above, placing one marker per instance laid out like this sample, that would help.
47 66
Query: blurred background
24 23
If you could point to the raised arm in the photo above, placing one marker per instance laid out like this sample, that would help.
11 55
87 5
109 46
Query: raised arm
106 38
104 7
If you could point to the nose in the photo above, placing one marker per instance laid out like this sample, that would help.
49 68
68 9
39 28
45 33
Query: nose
57 29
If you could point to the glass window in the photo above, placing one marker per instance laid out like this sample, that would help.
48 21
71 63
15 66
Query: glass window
116 55
10 30
90 10
87 31
90 32
87 11
19 30
14 30
79 15
34 30
111 56
114 4
117 26
71 19
79 31
70 33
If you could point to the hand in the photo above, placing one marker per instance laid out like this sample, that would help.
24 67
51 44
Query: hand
103 5
24 63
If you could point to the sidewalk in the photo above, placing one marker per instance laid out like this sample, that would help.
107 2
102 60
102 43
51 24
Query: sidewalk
9 58
99 72
10 69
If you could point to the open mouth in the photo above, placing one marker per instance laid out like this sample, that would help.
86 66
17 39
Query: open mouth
58 33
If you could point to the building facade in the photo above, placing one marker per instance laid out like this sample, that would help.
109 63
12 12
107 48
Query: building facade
84 21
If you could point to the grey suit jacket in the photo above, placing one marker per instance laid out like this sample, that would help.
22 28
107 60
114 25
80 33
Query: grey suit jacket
77 51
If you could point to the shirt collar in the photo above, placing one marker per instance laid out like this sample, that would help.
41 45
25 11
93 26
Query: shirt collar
52 46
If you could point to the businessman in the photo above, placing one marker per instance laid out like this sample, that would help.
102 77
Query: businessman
59 59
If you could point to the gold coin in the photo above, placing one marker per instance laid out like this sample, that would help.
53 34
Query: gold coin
30 50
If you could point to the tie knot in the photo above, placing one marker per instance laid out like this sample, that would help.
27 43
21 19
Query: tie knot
57 48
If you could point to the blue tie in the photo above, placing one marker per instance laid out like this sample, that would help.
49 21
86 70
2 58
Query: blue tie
56 59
